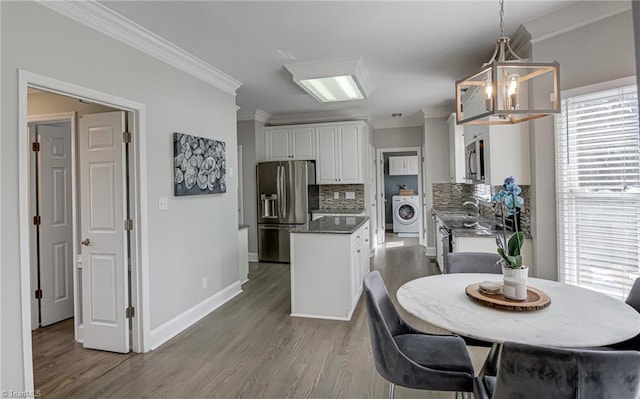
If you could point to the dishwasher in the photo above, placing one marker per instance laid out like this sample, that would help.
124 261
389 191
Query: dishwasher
443 243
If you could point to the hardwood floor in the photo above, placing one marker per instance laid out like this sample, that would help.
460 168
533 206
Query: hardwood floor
249 348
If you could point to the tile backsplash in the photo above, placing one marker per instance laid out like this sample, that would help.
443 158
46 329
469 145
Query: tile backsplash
328 201
448 195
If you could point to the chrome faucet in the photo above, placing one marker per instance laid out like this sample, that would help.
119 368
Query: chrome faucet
475 203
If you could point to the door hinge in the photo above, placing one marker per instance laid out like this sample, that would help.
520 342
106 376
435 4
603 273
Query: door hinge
126 137
35 146
38 294
130 312
128 224
37 220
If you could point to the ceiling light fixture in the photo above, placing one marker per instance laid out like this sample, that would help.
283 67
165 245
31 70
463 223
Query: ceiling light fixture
333 80
497 93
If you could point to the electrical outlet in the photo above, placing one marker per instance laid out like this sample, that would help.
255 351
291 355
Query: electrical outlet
350 195
204 283
163 204
336 195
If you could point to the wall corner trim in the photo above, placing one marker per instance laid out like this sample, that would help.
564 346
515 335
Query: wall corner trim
251 115
181 322
108 22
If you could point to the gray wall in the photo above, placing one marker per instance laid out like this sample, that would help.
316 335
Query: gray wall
436 140
247 138
398 137
196 237
591 54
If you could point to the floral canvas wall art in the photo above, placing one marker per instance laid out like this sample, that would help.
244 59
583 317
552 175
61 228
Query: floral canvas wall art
199 165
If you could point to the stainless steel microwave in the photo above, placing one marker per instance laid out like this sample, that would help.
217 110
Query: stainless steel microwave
474 160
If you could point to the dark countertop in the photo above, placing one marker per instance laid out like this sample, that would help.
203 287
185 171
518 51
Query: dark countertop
339 211
455 220
333 225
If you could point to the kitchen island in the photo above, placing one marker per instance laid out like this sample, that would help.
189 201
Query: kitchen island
329 260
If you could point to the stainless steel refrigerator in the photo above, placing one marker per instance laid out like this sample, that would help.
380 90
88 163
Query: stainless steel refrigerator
283 199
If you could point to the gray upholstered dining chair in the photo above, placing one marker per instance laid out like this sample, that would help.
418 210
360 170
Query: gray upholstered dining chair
534 372
408 357
472 262
633 300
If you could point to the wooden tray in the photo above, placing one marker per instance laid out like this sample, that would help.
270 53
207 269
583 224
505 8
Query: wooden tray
536 299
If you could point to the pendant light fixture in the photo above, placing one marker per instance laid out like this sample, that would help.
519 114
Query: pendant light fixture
498 93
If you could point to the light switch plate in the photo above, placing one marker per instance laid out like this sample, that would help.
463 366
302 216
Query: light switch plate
336 195
230 172
350 195
163 203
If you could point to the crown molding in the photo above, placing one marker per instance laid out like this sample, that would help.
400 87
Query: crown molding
253 115
318 117
108 22
441 112
573 17
397 123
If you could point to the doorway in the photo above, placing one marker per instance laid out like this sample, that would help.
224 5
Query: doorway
400 192
105 200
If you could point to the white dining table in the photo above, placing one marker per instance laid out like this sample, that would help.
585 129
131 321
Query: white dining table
577 317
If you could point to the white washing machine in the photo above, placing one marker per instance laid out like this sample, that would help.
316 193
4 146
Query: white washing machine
406 214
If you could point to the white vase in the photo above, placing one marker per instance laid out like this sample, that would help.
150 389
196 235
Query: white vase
514 282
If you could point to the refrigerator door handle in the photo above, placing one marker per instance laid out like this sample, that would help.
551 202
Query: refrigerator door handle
284 193
279 190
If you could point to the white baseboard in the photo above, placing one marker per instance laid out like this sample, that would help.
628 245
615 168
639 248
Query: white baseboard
253 257
407 235
315 316
431 251
181 322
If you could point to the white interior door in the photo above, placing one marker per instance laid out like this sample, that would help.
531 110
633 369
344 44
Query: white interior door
56 222
373 213
425 211
381 200
239 186
105 295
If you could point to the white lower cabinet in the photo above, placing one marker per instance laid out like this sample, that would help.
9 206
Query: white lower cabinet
327 272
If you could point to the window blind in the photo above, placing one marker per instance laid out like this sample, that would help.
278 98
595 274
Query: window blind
598 191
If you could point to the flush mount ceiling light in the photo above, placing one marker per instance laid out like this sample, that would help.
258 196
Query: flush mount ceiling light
497 93
333 80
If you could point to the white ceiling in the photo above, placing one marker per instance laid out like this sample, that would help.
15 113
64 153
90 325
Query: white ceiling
414 51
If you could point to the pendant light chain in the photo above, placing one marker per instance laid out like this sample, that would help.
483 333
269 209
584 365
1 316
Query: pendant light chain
501 18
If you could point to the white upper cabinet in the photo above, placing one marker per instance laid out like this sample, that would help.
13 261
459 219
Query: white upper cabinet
404 165
327 160
339 158
350 158
456 151
290 143
337 148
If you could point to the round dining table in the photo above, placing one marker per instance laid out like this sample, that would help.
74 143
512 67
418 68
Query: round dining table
576 317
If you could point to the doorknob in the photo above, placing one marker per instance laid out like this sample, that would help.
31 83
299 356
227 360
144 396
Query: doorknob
86 242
